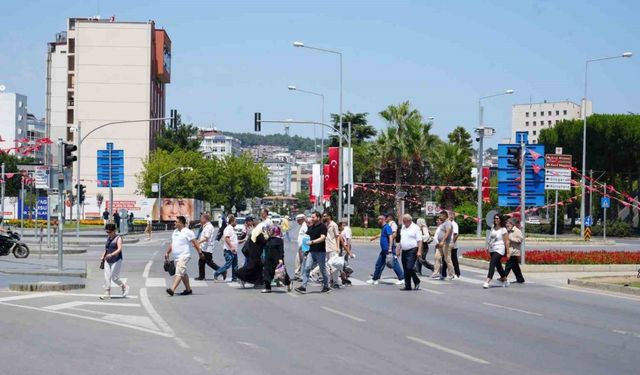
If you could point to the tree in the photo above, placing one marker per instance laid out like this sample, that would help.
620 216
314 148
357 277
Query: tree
184 136
304 202
452 166
361 131
461 137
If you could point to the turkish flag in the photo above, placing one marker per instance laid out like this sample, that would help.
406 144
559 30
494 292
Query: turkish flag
311 196
485 184
327 188
334 160
45 141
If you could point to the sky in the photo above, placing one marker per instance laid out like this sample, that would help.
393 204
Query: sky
233 58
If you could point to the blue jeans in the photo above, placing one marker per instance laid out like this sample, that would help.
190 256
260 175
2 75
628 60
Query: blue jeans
409 265
313 259
230 261
381 262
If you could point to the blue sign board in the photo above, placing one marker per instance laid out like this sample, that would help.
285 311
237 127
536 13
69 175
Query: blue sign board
588 221
509 177
605 202
110 167
41 209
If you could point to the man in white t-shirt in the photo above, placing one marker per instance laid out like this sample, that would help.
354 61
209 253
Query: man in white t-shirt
302 230
230 244
411 248
181 241
149 228
455 232
206 241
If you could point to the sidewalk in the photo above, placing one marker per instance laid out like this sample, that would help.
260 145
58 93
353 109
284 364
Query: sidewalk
34 274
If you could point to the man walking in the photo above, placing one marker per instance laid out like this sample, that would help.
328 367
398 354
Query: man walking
333 250
230 243
205 240
302 230
105 217
387 246
443 248
455 232
285 228
149 228
317 233
181 239
411 248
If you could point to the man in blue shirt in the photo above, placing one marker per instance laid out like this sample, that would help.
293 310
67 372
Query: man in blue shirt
387 248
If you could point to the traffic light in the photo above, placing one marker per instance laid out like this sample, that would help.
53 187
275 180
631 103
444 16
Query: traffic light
346 190
69 157
515 157
257 121
82 193
174 119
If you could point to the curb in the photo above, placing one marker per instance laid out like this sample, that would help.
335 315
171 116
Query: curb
603 286
80 274
43 286
55 252
482 264
535 241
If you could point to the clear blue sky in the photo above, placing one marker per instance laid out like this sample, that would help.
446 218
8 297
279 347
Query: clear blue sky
232 58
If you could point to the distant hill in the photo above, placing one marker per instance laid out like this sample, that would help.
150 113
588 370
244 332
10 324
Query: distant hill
292 142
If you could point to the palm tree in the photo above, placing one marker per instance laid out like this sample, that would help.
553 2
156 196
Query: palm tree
461 137
452 167
361 131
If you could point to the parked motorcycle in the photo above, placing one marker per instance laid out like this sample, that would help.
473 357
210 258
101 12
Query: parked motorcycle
10 242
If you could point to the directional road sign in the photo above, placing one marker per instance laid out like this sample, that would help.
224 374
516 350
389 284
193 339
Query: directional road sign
110 167
605 202
588 221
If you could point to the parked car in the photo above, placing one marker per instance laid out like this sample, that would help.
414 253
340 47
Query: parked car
533 220
276 219
240 227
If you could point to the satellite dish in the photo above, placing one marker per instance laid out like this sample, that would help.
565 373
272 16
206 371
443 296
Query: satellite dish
2 88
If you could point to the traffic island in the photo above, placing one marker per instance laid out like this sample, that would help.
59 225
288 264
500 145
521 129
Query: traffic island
620 284
58 285
42 275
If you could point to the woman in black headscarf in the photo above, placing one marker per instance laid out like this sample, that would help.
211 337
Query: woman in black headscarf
274 257
252 272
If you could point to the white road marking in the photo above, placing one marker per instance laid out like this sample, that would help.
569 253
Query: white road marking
448 350
512 309
636 335
356 282
135 320
26 296
181 342
93 295
250 345
607 294
157 319
67 305
155 332
329 309
198 283
155 282
429 291
147 268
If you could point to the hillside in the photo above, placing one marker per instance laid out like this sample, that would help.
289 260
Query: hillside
292 142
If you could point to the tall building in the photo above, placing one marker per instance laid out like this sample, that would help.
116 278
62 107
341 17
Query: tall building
534 117
13 118
36 129
103 71
215 144
279 176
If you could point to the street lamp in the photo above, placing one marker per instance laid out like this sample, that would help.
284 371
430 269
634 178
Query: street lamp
481 131
299 44
294 88
584 133
182 169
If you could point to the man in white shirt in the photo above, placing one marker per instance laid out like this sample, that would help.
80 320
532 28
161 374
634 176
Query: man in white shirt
455 232
149 228
411 248
230 244
181 240
302 222
206 241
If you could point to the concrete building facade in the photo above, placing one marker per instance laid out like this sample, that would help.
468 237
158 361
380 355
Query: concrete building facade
215 144
103 71
279 176
13 118
534 117
36 129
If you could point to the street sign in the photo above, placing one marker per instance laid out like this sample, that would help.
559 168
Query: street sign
558 150
110 167
587 233
588 221
558 172
41 176
509 177
605 202
154 187
557 161
431 208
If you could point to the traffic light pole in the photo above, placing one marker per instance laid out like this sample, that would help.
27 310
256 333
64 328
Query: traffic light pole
60 200
523 194
78 187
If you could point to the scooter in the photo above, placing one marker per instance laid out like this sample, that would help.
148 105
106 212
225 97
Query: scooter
10 242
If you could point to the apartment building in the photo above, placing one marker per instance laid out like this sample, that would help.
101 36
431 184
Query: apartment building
534 117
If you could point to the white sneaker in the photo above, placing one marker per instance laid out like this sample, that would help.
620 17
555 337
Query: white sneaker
372 282
125 291
436 276
451 277
485 285
505 284
400 282
456 277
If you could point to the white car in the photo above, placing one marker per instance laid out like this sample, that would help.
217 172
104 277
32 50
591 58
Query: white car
240 227
276 219
533 220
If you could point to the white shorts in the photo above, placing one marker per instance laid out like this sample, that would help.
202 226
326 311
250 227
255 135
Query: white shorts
181 266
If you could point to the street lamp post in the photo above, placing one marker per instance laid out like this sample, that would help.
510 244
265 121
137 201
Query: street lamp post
294 88
480 131
584 133
182 169
298 44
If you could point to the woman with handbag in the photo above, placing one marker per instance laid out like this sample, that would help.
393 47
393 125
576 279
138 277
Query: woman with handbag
252 272
498 243
274 258
513 251
111 262
426 240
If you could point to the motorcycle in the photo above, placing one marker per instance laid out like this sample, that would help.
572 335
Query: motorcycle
10 242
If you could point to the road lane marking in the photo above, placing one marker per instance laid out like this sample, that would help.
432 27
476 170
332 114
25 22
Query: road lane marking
512 309
329 309
157 319
429 291
198 283
147 268
606 294
27 296
163 334
182 343
155 282
448 350
67 305
627 333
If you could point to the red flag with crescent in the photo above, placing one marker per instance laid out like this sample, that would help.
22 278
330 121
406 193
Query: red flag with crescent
327 177
334 159
312 197
486 172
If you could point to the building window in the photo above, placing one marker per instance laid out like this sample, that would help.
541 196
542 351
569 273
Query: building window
557 113
549 123
534 141
534 114
534 123
534 132
556 122
526 114
564 112
526 123
549 113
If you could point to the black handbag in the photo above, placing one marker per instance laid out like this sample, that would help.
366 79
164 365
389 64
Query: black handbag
170 267
102 264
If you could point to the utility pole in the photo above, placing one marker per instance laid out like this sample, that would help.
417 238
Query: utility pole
523 194
60 200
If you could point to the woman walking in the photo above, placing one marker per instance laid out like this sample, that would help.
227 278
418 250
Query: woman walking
274 257
252 272
112 258
426 239
498 243
513 251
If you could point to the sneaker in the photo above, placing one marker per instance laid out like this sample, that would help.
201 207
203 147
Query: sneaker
436 276
199 278
106 296
400 282
242 284
169 292
325 290
335 286
417 286
372 282
265 291
216 276
485 286
405 289
505 284
451 277
301 290
224 275
186 292
346 282
125 291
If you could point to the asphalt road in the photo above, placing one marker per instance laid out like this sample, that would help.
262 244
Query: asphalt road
541 327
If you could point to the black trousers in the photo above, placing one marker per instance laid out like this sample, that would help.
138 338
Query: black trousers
208 260
514 264
422 261
496 264
454 260
408 265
